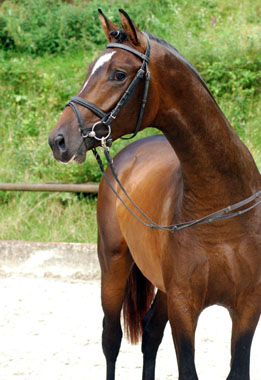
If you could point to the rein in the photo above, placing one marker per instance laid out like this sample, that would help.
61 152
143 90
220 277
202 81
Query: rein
225 213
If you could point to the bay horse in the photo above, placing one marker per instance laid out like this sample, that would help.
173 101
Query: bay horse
203 167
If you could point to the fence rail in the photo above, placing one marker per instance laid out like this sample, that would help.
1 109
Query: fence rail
51 187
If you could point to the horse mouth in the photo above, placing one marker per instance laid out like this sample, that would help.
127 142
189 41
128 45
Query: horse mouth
78 159
64 158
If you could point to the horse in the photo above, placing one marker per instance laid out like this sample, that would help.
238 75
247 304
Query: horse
188 242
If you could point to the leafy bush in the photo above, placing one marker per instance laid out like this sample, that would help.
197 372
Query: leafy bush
37 27
234 81
43 26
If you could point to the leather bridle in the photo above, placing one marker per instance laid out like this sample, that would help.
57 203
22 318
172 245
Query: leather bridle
107 118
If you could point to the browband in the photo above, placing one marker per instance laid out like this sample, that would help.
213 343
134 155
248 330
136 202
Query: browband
144 57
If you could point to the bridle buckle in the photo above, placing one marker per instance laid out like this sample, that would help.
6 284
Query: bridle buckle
85 134
112 116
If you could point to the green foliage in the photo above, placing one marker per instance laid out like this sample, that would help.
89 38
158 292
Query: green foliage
45 47
36 27
42 26
234 83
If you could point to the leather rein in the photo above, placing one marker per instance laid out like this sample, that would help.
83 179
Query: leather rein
225 213
106 141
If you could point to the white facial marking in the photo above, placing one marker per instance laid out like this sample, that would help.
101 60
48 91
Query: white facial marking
100 62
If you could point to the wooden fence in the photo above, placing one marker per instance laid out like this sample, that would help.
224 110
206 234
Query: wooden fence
52 187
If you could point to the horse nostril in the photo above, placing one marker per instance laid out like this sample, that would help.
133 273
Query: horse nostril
60 143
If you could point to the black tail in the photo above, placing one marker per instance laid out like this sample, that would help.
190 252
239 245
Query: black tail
137 300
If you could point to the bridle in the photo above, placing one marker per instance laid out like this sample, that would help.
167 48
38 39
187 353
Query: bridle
107 119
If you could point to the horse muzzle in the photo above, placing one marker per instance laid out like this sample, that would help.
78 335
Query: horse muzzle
66 150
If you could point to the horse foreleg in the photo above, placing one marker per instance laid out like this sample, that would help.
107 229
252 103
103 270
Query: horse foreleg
183 320
154 324
115 273
244 322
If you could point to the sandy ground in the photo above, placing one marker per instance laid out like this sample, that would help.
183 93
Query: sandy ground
51 328
51 321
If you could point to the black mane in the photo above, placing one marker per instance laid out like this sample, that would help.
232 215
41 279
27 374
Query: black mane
177 54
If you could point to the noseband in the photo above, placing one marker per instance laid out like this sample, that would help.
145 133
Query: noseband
107 118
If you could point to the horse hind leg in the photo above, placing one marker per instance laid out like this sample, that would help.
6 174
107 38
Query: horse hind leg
154 324
115 268
244 322
123 287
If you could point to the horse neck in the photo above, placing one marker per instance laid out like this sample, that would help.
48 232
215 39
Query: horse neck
214 161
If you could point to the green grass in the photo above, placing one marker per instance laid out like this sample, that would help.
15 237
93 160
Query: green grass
43 63
43 217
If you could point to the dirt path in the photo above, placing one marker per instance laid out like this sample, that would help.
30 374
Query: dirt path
50 329
51 318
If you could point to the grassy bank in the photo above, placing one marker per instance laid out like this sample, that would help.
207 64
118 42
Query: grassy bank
45 49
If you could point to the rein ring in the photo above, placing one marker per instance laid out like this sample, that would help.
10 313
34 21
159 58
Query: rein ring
92 133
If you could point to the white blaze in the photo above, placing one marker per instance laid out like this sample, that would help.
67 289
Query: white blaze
100 62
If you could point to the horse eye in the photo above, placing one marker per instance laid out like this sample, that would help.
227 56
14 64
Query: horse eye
119 75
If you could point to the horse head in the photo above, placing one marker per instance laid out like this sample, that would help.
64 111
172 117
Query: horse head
105 108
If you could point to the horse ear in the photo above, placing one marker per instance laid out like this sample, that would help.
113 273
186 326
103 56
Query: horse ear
130 29
107 25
